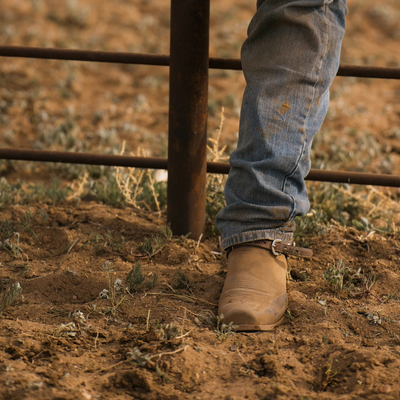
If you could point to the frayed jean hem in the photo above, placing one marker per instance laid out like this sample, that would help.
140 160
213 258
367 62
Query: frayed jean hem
251 236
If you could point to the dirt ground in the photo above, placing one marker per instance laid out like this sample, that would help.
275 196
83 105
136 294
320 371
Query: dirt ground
63 336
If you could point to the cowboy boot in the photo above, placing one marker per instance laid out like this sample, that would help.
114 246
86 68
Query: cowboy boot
254 295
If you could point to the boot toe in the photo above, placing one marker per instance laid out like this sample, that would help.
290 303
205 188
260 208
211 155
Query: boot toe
255 316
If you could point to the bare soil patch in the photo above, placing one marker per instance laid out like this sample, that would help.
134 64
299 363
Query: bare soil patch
60 340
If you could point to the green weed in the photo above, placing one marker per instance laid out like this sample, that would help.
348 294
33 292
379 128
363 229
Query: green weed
135 277
289 314
165 378
28 220
363 224
9 294
328 202
25 194
106 190
139 186
215 198
224 331
341 277
168 331
182 282
137 357
151 246
115 294
107 242
136 281
155 243
13 247
56 192
7 229
392 296
208 318
114 241
330 373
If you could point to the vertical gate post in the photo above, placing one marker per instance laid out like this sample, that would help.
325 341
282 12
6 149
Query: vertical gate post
188 104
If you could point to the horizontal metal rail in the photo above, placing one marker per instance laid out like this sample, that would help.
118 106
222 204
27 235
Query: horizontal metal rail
163 60
161 163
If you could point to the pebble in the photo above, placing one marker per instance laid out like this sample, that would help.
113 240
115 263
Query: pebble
385 389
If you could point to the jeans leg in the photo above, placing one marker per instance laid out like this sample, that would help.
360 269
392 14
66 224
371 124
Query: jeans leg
289 60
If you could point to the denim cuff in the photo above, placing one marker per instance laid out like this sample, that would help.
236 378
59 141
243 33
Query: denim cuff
251 236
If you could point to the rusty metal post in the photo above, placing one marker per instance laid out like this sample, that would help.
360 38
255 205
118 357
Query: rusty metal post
188 104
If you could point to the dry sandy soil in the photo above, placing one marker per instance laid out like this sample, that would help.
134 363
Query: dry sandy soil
61 339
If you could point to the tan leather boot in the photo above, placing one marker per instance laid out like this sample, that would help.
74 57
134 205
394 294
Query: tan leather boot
254 294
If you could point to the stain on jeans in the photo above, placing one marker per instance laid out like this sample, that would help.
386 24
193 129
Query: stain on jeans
284 108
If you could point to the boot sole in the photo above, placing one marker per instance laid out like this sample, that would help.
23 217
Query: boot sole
259 328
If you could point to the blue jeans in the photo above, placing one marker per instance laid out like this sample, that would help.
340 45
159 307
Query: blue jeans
289 60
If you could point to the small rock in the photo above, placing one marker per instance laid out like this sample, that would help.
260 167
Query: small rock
280 389
234 347
62 218
385 389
